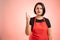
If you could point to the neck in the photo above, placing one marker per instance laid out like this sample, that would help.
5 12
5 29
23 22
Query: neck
39 17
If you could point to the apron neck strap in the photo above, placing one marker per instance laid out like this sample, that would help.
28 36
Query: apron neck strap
35 19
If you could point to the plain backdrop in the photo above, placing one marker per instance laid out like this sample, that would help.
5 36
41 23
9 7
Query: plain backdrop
13 21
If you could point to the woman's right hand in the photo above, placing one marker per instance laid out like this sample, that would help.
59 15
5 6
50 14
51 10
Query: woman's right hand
27 18
28 26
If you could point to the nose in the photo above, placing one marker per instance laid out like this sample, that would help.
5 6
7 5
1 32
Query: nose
39 11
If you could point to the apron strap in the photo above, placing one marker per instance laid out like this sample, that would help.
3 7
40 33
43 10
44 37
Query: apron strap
35 19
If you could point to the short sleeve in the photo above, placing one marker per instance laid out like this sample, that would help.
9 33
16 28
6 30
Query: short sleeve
32 23
48 23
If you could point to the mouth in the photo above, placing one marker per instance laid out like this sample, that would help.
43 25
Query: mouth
38 11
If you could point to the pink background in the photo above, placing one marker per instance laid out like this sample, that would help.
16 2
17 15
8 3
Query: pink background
12 17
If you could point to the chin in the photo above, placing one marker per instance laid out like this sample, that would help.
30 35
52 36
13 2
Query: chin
38 15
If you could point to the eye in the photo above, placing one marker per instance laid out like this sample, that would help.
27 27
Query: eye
37 8
41 8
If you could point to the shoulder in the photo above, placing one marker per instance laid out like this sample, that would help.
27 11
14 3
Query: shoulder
46 19
32 20
47 22
32 17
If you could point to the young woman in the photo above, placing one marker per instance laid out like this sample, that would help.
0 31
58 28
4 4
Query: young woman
38 27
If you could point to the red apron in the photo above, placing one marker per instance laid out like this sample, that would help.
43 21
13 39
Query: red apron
40 31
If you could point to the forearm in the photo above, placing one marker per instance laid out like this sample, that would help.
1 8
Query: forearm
28 28
50 34
50 37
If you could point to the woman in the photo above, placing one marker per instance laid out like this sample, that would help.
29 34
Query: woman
38 27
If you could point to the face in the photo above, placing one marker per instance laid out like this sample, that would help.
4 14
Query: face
38 10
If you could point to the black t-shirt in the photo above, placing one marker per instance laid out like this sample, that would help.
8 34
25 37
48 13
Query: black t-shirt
32 22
